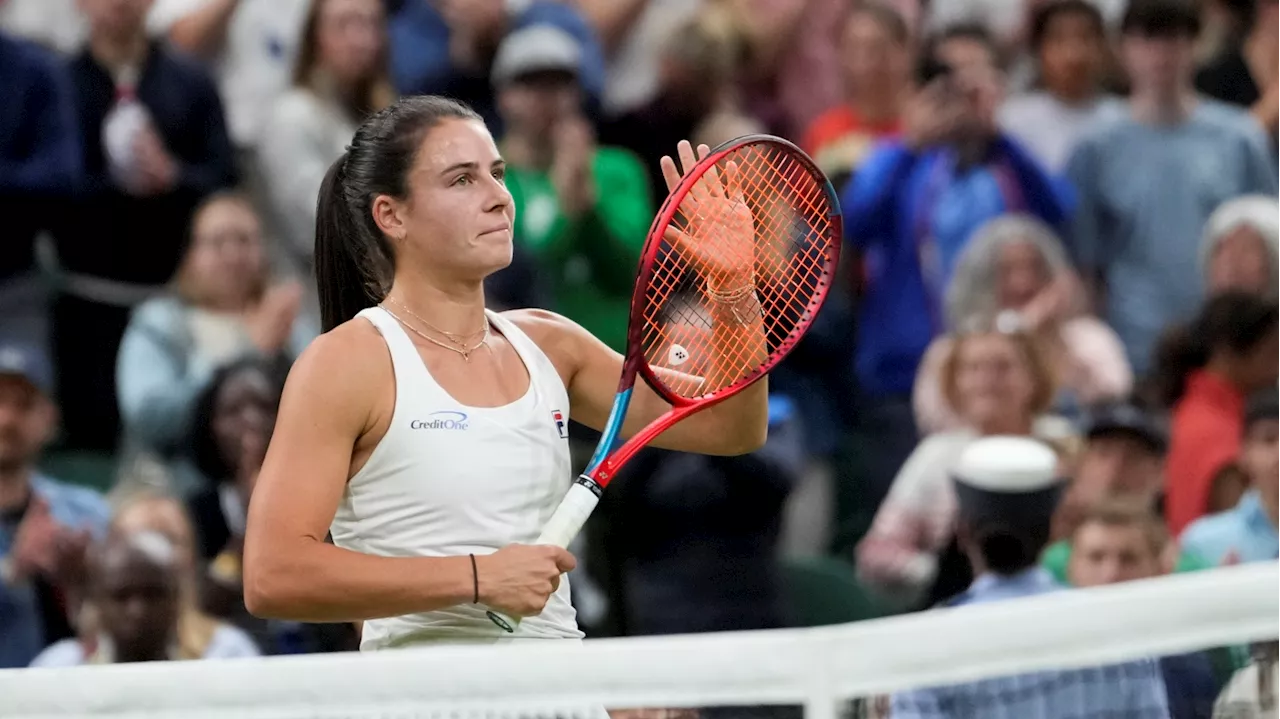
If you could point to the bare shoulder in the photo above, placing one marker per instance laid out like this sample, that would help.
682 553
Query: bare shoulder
343 370
560 338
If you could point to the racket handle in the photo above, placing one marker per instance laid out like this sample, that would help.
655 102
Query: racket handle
560 530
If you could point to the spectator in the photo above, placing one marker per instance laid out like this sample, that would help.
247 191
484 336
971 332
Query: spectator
1239 249
1123 460
583 210
40 167
45 525
155 145
1120 542
876 61
340 77
697 90
251 45
1247 533
633 34
1205 371
1006 490
1016 267
222 306
448 47
911 210
1244 74
999 383
1148 182
1069 39
199 635
696 536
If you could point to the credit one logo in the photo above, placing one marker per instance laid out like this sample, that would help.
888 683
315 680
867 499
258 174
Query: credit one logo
441 420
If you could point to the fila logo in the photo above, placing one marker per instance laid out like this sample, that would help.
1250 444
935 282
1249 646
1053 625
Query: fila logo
444 420
561 427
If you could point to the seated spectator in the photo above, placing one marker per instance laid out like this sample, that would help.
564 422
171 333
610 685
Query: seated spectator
1149 181
697 91
1239 248
1016 267
45 525
583 211
1244 73
40 169
136 589
1006 490
199 635
1120 542
340 77
1205 371
1123 460
221 307
447 48
911 211
998 384
1247 533
1069 40
155 144
876 61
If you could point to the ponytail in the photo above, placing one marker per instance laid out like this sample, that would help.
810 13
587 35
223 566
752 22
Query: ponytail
340 280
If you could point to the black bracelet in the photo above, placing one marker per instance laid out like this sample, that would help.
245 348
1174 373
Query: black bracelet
475 581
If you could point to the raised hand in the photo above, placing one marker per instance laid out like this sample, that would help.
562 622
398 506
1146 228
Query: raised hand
718 235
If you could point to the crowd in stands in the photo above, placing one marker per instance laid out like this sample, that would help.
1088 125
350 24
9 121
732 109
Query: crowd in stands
1061 224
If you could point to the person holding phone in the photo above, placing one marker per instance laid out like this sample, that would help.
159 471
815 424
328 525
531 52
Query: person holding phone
910 211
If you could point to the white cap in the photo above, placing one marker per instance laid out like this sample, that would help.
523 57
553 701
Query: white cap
1007 465
537 48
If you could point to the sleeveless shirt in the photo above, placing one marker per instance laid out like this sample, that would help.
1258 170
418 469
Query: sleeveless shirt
448 479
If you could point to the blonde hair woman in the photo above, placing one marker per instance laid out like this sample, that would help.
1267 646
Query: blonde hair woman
1016 271
1000 383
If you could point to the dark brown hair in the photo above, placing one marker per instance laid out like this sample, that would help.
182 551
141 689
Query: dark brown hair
373 94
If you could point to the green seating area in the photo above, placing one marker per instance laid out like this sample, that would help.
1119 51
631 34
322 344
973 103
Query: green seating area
823 590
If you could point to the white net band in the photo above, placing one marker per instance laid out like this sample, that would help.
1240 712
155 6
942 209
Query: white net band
817 669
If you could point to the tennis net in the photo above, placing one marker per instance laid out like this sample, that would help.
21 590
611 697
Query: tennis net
845 671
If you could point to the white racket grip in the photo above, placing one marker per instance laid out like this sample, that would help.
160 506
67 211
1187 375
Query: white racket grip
572 513
559 531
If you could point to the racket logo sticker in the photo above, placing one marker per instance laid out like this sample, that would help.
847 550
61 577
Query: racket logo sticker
558 417
677 355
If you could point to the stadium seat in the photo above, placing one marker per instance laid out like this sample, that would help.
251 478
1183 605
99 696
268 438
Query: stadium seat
823 590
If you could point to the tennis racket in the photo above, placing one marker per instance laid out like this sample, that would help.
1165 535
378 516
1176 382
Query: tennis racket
736 265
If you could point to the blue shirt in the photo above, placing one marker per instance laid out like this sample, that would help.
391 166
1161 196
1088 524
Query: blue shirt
1134 690
1243 533
903 206
1145 193
21 623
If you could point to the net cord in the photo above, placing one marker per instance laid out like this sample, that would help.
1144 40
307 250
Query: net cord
816 667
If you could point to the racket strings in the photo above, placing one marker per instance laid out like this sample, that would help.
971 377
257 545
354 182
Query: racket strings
794 231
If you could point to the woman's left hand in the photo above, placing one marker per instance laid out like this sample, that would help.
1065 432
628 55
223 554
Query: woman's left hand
718 235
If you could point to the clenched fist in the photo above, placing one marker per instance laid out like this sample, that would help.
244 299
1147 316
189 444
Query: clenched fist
518 579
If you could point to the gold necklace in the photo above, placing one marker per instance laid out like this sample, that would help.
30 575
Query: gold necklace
460 349
453 337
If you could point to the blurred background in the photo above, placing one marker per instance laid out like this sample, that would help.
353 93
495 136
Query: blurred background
1061 223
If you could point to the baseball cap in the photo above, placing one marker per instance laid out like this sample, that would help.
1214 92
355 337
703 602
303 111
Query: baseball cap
1128 417
537 48
28 362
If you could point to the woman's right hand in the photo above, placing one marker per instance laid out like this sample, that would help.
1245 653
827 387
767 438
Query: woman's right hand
518 579
271 321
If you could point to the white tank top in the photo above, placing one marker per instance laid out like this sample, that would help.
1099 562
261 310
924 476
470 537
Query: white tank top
448 480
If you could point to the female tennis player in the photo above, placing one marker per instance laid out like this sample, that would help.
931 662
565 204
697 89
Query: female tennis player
427 434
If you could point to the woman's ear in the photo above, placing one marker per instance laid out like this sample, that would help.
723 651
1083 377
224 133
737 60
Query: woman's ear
388 213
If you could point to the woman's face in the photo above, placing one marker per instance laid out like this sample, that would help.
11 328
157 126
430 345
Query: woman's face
350 36
458 218
1240 262
875 61
244 414
992 380
1072 54
225 264
1020 274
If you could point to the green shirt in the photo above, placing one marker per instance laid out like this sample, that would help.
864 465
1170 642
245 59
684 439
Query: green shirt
1057 555
591 260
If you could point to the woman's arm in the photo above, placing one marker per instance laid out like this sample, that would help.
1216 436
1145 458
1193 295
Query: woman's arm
290 572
